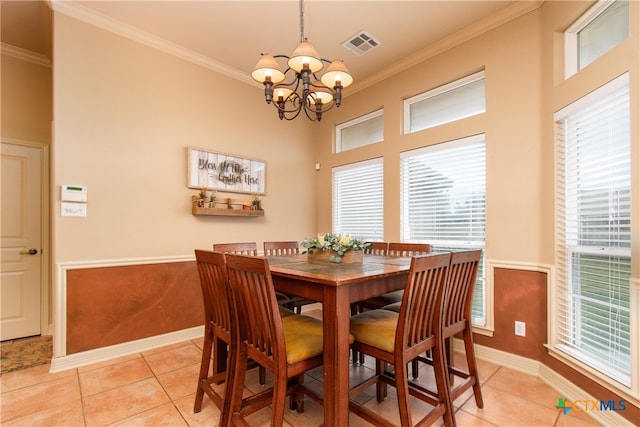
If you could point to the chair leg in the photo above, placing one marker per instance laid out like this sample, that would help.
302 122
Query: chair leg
440 370
204 370
262 375
279 400
381 387
298 396
236 375
472 366
402 388
414 368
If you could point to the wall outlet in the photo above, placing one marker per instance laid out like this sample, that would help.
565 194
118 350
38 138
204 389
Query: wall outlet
521 329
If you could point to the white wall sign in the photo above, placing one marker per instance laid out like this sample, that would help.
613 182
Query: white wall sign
225 172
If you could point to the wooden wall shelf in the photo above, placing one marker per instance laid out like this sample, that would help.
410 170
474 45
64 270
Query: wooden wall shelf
225 211
237 209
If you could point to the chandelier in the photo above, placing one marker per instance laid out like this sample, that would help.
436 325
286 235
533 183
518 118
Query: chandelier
305 92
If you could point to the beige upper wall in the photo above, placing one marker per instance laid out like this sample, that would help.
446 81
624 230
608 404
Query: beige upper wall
510 56
124 116
26 99
524 86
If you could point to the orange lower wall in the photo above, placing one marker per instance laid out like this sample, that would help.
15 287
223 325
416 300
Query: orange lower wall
112 305
519 295
522 295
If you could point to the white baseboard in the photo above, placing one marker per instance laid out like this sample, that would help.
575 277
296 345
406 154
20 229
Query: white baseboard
563 386
101 354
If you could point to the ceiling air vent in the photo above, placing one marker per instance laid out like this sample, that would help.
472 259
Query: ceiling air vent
361 43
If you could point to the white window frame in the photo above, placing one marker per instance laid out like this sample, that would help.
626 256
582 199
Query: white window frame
630 390
571 53
435 92
339 128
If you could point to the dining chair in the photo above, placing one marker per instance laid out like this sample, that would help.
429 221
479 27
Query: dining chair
217 326
461 280
395 250
214 283
280 248
376 248
245 248
283 248
408 249
372 248
287 347
398 338
249 248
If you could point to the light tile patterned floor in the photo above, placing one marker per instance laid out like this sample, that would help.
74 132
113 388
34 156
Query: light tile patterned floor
157 388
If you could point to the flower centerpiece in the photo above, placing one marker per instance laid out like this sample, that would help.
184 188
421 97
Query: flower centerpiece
334 247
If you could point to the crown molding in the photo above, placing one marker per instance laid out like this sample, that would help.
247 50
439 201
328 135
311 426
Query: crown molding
502 17
89 16
25 55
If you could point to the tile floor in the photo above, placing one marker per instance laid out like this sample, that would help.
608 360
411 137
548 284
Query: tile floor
157 387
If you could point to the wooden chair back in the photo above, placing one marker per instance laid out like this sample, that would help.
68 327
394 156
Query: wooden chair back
422 304
213 281
459 291
376 248
256 309
247 248
408 249
281 248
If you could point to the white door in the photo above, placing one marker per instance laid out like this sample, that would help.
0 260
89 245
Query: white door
20 241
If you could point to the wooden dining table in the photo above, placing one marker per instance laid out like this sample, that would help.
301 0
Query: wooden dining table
337 286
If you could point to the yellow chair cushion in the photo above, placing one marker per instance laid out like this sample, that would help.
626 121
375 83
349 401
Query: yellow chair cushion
285 312
376 328
302 337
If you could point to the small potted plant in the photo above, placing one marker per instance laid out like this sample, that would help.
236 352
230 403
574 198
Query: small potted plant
256 203
212 200
202 197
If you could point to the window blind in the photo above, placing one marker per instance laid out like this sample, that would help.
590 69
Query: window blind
358 200
448 103
593 229
442 203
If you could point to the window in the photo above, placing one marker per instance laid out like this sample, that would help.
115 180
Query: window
593 229
362 131
601 29
454 101
442 202
358 200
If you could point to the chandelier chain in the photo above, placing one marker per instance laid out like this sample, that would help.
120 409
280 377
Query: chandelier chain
301 20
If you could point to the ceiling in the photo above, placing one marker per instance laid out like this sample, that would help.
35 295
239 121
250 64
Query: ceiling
230 35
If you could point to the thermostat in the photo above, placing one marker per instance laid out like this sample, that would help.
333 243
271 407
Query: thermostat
74 193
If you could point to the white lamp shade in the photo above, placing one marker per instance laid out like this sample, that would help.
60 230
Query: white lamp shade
267 68
282 91
305 53
320 94
337 72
